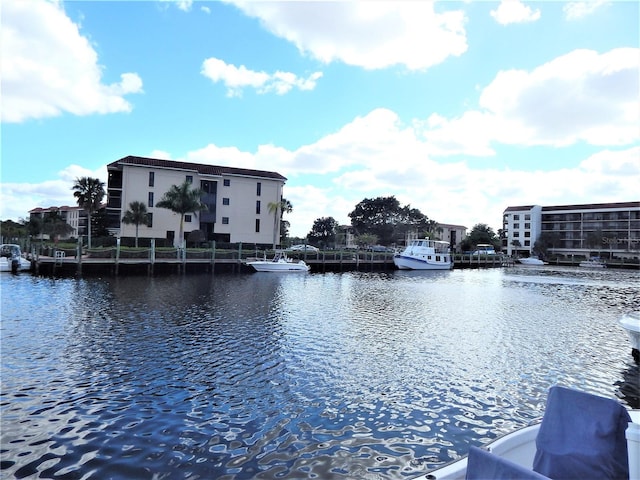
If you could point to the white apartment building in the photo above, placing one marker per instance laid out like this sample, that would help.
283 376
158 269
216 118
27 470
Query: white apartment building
611 229
75 217
521 227
237 199
454 234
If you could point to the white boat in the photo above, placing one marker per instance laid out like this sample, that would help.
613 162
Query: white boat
561 441
531 261
279 263
593 262
11 258
631 323
425 254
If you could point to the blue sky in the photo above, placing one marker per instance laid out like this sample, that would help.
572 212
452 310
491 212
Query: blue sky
459 109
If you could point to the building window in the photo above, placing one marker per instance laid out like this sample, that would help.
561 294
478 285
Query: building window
516 217
258 207
189 178
257 225
149 220
151 178
225 201
187 218
225 220
527 225
226 182
527 243
527 217
259 189
516 234
150 202
516 225
527 234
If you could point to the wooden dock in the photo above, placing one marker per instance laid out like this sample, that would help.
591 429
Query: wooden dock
113 262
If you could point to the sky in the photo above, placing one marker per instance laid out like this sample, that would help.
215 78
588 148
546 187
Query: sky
458 109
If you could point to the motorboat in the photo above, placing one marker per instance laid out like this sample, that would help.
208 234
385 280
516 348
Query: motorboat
593 262
11 259
424 254
530 261
631 323
580 436
279 263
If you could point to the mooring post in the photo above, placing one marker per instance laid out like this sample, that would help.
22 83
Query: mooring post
79 254
117 255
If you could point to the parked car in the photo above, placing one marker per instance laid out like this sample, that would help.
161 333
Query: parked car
302 248
377 248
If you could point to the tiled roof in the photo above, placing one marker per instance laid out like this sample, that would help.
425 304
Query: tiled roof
519 209
593 206
201 168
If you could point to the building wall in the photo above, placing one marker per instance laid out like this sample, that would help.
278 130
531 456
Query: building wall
578 229
454 234
523 225
235 205
75 217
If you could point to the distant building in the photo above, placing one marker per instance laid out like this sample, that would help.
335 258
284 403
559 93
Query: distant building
454 234
611 229
75 217
237 199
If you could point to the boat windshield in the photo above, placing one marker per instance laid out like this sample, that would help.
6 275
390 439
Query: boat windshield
10 251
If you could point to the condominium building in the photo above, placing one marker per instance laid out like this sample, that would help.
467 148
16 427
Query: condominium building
75 217
607 229
238 200
454 234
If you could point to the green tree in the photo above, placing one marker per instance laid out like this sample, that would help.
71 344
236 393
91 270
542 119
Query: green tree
55 226
387 219
136 215
89 193
34 226
481 233
11 231
278 209
100 223
546 241
182 199
324 231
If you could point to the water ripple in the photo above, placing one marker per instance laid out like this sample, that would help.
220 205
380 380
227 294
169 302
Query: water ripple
356 375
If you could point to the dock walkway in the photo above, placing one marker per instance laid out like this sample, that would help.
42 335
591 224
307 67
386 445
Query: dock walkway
150 261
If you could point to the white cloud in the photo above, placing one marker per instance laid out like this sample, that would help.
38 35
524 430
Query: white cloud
378 155
16 199
238 78
514 11
371 35
49 68
578 10
184 5
582 96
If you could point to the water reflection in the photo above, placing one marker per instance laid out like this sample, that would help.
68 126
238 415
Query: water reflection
368 375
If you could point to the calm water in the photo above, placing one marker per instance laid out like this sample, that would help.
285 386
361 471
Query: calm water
352 375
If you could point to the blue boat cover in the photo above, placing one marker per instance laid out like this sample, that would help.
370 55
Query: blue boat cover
483 465
582 436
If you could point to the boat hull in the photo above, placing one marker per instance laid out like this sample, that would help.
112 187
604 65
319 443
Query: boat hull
631 323
404 262
530 261
263 266
520 447
11 259
593 264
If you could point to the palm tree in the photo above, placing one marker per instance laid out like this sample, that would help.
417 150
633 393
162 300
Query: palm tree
182 199
282 207
89 192
136 215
